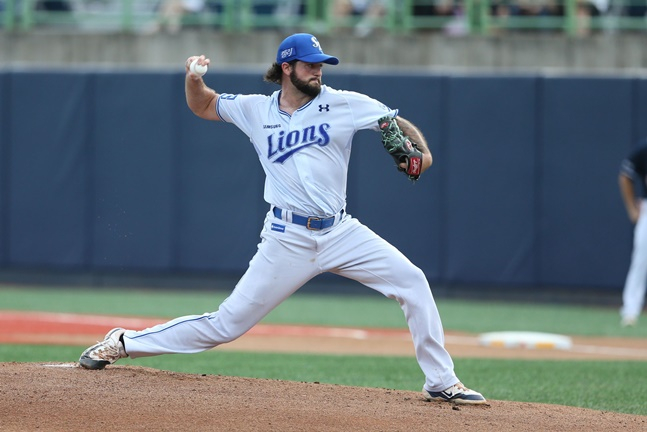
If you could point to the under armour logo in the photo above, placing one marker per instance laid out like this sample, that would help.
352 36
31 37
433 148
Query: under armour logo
324 107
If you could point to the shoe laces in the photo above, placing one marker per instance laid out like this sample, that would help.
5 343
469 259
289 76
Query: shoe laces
460 387
109 350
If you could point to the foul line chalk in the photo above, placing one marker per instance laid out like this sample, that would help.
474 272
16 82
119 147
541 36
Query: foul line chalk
61 365
530 340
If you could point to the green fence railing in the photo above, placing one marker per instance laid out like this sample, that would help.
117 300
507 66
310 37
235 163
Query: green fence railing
475 17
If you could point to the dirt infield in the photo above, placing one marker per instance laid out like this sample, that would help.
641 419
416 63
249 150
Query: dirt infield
64 397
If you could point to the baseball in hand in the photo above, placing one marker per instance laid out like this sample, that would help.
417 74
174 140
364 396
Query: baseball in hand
197 69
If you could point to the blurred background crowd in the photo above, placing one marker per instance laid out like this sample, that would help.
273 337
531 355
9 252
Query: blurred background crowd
360 18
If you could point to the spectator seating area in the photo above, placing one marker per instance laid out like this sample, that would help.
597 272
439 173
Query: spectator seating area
360 18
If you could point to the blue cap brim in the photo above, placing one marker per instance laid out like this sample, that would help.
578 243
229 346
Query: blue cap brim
319 58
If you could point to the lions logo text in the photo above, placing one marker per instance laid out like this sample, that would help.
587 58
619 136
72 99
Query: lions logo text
281 146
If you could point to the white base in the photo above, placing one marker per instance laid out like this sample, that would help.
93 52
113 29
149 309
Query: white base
530 340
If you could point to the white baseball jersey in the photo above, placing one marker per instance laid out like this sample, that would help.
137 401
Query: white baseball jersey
304 155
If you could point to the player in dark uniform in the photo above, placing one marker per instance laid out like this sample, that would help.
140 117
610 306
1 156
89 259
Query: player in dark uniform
633 174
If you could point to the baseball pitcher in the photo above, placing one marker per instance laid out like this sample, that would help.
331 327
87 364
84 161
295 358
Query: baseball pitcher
303 135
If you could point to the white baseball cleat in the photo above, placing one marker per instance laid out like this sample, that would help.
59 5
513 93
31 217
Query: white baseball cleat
458 394
105 352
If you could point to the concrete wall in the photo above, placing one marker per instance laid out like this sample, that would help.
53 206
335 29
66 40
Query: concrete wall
599 53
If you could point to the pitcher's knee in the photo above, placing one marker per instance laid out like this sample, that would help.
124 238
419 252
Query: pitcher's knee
415 276
230 335
224 330
410 283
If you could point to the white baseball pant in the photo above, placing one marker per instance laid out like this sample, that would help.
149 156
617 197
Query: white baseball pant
633 294
283 263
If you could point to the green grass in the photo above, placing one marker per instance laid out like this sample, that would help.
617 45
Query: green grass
600 385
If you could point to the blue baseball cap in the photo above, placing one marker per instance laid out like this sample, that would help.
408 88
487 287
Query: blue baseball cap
304 47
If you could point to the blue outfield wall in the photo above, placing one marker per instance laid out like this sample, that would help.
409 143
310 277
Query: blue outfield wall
489 175
111 172
46 167
4 164
586 128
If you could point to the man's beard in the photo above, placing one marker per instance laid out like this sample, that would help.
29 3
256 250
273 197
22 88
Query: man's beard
311 90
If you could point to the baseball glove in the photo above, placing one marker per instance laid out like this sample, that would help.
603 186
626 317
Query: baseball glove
401 148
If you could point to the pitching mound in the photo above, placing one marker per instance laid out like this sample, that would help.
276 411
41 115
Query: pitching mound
64 397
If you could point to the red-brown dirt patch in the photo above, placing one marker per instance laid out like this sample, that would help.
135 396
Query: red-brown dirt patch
64 397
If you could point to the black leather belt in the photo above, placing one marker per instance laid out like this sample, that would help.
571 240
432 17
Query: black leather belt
310 222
